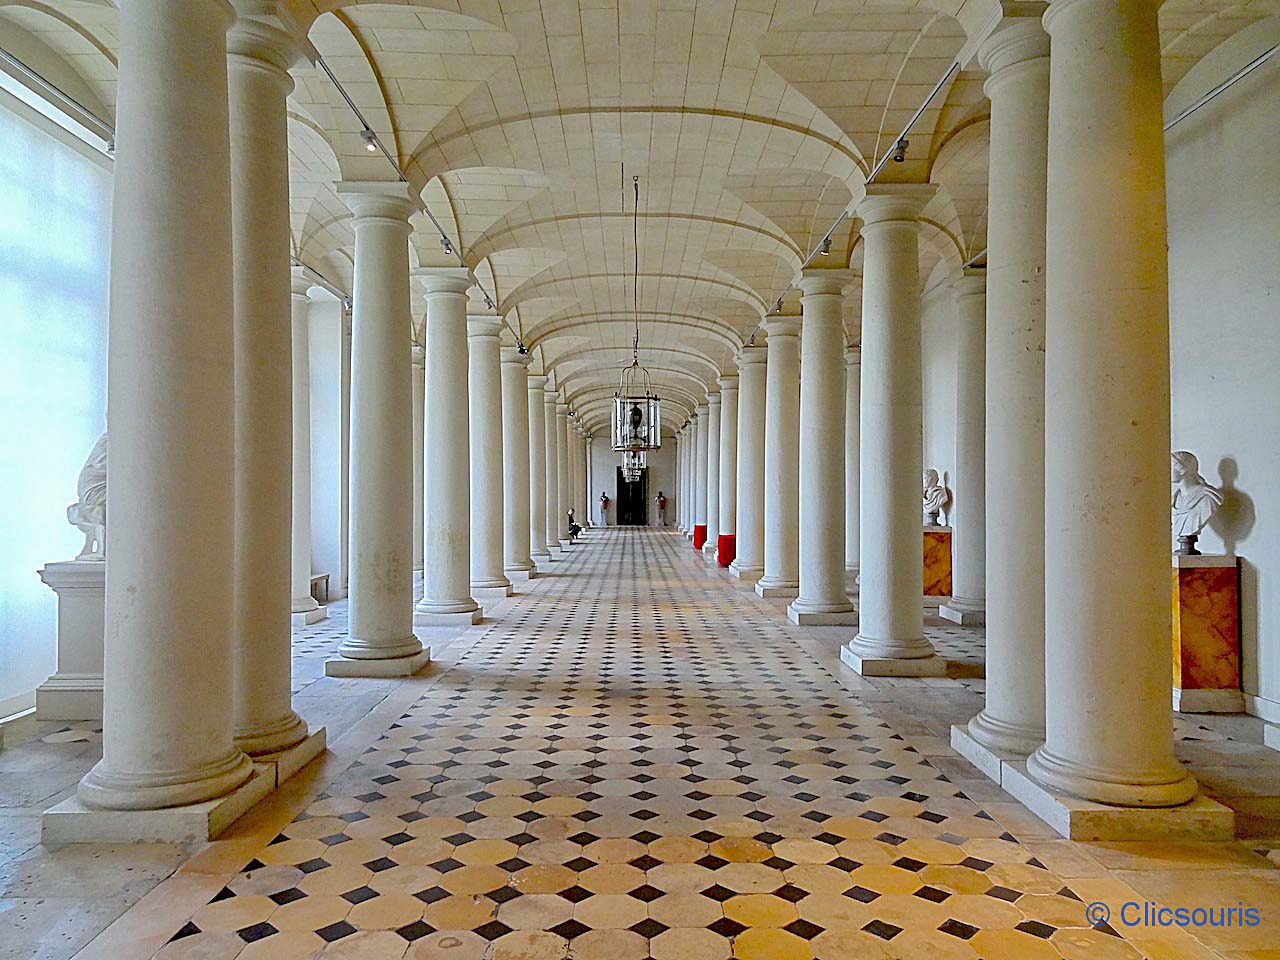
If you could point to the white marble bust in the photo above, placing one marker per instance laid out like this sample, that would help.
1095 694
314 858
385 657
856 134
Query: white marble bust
935 497
1194 499
89 513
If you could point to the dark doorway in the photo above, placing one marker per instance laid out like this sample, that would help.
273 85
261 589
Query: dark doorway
633 500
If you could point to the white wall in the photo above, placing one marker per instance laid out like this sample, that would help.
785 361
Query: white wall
330 395
938 329
1224 266
604 476
55 202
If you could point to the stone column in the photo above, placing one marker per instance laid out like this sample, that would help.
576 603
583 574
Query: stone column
517 558
891 640
781 577
822 598
446 544
588 447
537 443
552 445
564 486
302 606
682 479
1017 58
969 526
713 474
700 419
1109 737
381 640
259 55
167 724
749 563
484 386
728 526
852 442
419 372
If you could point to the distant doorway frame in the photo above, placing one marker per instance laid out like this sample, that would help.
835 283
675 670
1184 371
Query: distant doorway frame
633 500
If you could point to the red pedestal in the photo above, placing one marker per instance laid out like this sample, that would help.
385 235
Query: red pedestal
726 549
699 535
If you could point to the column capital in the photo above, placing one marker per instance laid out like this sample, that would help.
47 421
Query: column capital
419 355
713 399
262 35
1017 39
969 284
515 357
386 200
894 202
852 356
816 281
456 280
299 285
479 326
751 355
550 393
562 409
728 381
777 327
537 381
700 411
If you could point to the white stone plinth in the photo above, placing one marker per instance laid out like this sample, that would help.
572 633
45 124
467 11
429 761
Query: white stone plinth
491 595
957 612
1207 701
307 617
72 821
523 576
74 691
781 591
460 618
746 574
285 763
821 618
388 666
933 666
981 756
1270 736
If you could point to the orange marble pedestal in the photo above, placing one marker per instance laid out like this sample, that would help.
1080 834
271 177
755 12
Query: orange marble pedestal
937 563
1206 635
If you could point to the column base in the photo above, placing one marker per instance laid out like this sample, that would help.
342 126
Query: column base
1192 701
965 613
1270 736
523 575
872 666
491 594
391 667
979 754
807 614
565 544
70 696
747 574
771 588
307 617
285 763
1198 819
458 618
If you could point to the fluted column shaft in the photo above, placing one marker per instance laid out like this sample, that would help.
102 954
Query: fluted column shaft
484 386
1108 735
781 576
969 523
552 446
748 564
419 374
713 473
852 458
446 545
537 443
890 606
167 719
1017 58
517 542
822 598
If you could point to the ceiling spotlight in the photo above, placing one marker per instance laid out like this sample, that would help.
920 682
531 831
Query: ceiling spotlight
448 246
826 246
900 150
370 140
488 301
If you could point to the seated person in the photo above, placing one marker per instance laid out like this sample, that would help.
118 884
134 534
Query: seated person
574 528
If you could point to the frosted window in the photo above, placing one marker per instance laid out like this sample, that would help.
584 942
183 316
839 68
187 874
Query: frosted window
54 236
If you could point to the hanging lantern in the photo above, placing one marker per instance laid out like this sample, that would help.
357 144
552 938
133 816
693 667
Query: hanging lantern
633 465
637 421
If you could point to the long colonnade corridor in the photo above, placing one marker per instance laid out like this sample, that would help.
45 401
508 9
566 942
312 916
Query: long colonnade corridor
632 759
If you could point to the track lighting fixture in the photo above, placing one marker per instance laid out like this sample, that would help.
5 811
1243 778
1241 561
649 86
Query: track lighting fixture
826 246
900 150
370 140
448 246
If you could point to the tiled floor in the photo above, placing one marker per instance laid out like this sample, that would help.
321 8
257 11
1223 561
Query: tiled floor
638 758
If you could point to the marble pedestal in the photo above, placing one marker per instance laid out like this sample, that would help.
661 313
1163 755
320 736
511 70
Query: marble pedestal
390 666
746 574
463 618
956 612
937 563
491 595
933 666
521 576
1201 819
306 618
782 591
1206 634
71 821
74 691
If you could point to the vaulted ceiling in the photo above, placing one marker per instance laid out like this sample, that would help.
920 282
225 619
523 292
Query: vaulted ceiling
751 125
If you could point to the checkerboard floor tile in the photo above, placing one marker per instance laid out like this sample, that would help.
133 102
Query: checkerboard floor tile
634 764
